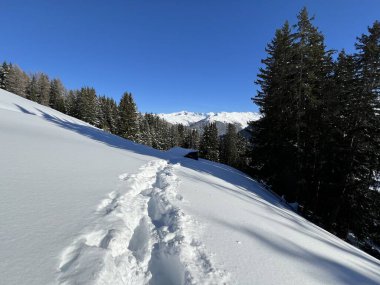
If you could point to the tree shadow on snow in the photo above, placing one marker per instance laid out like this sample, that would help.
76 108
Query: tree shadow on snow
261 197
317 265
96 134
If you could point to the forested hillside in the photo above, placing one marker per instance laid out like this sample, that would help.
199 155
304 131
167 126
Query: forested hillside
318 141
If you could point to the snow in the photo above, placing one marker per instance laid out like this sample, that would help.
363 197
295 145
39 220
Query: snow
81 206
177 152
188 118
185 118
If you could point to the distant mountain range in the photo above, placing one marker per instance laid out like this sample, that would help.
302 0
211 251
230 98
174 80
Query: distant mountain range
222 119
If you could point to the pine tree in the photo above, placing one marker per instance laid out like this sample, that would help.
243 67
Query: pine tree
32 89
287 139
56 96
107 114
4 71
128 118
229 147
71 104
191 139
362 133
274 135
17 81
43 89
314 66
145 131
209 144
88 105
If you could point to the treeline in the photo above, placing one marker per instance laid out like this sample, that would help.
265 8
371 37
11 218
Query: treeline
318 141
123 118
230 149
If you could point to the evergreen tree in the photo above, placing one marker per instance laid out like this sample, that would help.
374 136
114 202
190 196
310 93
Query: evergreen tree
209 144
274 135
314 68
56 96
362 134
181 135
192 139
108 114
128 118
229 147
4 71
43 89
88 105
17 81
32 89
145 131
71 104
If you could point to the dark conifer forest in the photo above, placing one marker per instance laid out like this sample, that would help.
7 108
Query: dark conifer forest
317 143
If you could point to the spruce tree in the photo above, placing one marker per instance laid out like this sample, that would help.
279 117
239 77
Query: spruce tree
71 104
128 125
191 139
17 81
4 71
274 134
314 66
32 89
209 144
87 104
107 114
229 147
43 89
56 96
145 131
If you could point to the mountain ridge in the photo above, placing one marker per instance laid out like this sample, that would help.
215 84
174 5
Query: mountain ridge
198 120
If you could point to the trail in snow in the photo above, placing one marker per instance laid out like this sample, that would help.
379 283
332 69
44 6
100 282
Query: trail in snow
140 237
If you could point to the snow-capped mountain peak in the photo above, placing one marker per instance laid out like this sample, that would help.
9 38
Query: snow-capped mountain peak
197 120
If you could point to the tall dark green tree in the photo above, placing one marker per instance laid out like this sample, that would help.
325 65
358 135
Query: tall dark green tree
274 135
71 103
229 144
364 134
108 114
314 69
43 84
145 131
192 139
87 105
4 71
209 144
57 95
128 124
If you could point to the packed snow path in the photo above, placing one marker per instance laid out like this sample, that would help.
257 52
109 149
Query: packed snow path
140 237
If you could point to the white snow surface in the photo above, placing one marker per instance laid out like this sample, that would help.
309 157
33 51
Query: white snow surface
81 206
188 118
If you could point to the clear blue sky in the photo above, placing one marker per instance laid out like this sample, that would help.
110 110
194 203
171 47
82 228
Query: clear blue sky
196 55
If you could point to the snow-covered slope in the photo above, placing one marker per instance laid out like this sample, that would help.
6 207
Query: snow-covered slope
80 206
198 120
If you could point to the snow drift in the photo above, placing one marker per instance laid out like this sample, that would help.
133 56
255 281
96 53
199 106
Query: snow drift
81 206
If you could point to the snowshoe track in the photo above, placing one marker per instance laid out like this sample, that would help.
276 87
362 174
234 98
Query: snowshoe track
140 237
